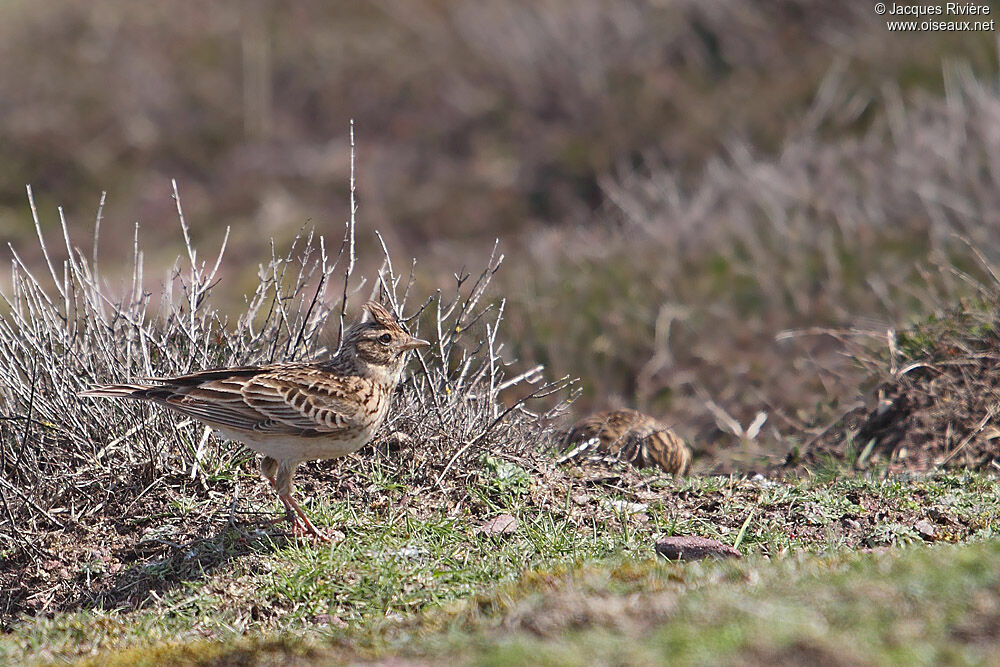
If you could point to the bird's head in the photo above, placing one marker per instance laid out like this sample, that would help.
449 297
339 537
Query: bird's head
378 343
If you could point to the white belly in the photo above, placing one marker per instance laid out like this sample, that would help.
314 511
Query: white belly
295 448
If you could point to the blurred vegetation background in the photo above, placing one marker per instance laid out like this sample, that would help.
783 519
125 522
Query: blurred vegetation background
701 204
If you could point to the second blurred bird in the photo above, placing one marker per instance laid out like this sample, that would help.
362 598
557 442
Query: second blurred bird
630 436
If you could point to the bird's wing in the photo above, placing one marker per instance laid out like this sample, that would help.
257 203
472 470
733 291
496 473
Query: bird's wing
309 399
282 400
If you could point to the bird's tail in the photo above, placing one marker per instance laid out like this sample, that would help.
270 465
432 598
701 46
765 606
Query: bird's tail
117 391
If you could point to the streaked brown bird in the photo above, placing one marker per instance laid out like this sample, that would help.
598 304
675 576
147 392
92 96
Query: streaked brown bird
294 412
627 435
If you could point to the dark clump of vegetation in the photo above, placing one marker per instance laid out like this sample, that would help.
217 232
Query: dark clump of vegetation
936 403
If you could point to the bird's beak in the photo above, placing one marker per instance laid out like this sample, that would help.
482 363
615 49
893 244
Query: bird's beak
414 343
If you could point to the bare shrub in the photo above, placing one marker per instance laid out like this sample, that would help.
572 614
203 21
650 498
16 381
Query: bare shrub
66 461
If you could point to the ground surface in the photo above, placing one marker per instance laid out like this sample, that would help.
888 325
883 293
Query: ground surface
415 576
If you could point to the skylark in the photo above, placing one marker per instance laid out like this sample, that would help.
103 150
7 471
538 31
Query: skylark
629 436
294 412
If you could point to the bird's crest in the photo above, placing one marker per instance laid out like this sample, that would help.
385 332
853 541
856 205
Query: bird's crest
381 315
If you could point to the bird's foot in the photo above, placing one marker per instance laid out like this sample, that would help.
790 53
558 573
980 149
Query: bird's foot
310 532
306 530
302 527
300 530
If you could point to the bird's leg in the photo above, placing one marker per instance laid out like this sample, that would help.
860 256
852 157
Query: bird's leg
301 525
269 470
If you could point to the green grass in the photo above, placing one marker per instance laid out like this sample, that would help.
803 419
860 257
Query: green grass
574 585
916 605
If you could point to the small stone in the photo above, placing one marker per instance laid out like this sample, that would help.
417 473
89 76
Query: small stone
624 507
694 548
328 619
409 553
580 498
925 528
503 524
760 480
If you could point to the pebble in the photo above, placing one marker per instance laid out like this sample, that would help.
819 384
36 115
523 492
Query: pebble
925 528
694 548
503 524
624 507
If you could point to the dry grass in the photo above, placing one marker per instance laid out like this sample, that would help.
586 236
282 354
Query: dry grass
712 303
472 119
478 122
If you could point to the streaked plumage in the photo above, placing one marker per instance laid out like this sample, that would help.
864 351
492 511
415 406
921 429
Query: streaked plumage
293 412
630 436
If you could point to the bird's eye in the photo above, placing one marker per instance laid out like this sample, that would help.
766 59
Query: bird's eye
385 339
